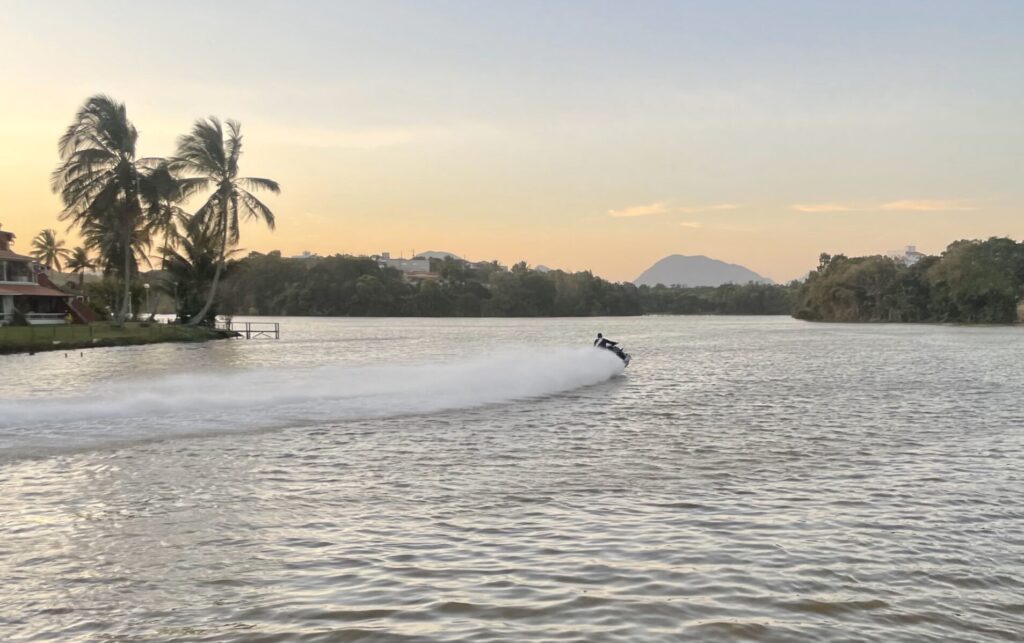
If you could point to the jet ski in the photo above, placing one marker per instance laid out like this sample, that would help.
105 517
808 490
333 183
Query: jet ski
621 354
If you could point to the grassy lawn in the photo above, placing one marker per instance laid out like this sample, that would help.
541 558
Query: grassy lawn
17 339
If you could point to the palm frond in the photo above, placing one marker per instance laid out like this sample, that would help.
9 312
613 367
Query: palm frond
208 215
234 232
79 261
256 183
201 151
256 209
49 250
233 147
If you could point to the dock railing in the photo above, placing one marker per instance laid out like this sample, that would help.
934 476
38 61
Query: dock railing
251 330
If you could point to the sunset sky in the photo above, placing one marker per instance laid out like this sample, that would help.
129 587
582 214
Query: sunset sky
579 135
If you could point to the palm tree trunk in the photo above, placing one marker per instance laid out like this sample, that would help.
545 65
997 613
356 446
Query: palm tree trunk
159 294
201 315
155 306
127 279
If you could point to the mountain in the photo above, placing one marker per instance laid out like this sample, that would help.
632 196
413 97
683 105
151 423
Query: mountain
436 254
682 270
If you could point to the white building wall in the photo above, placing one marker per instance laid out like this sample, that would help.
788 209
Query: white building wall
407 265
6 309
909 255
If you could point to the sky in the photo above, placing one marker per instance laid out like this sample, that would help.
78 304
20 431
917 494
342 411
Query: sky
580 135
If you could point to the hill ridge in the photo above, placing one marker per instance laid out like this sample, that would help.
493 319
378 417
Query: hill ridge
696 270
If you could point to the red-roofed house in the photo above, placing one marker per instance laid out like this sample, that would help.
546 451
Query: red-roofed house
22 294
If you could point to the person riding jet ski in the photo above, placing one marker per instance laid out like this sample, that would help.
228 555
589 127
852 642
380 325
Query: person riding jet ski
607 344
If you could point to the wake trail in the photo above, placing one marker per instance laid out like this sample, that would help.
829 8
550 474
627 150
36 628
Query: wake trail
187 404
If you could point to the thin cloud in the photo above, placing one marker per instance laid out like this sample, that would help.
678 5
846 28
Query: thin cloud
718 207
928 205
901 205
661 207
690 224
640 210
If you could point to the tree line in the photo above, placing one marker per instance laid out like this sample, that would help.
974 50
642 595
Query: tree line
972 281
269 284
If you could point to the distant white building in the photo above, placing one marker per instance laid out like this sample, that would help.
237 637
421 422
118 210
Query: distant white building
412 269
487 265
909 255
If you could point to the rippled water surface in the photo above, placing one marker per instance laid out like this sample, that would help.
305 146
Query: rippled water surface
388 480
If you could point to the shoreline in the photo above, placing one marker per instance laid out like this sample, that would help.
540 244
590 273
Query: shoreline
16 340
879 322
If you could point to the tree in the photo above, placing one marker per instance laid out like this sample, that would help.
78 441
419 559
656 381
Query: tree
430 300
104 295
163 191
371 297
78 263
49 250
977 281
972 282
190 266
99 179
211 157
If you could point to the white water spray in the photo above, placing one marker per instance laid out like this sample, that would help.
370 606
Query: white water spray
264 398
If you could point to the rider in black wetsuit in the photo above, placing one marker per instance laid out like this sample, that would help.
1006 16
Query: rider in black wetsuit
608 344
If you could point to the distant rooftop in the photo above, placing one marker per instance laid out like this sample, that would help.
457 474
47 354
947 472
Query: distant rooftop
6 238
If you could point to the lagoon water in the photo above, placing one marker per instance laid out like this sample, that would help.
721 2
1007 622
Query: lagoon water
754 479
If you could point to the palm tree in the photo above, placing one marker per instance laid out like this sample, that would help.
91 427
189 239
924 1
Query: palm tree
78 263
49 250
163 189
205 153
98 180
190 266
105 236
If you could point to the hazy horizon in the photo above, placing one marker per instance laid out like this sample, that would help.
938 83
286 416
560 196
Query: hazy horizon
580 135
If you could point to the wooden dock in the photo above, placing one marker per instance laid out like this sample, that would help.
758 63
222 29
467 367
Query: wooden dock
251 330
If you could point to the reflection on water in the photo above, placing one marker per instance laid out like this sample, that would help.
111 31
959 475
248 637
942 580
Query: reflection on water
745 479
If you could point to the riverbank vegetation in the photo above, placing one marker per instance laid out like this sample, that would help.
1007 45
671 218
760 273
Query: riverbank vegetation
269 284
972 282
34 339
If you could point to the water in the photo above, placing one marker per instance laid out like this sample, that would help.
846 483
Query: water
435 480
